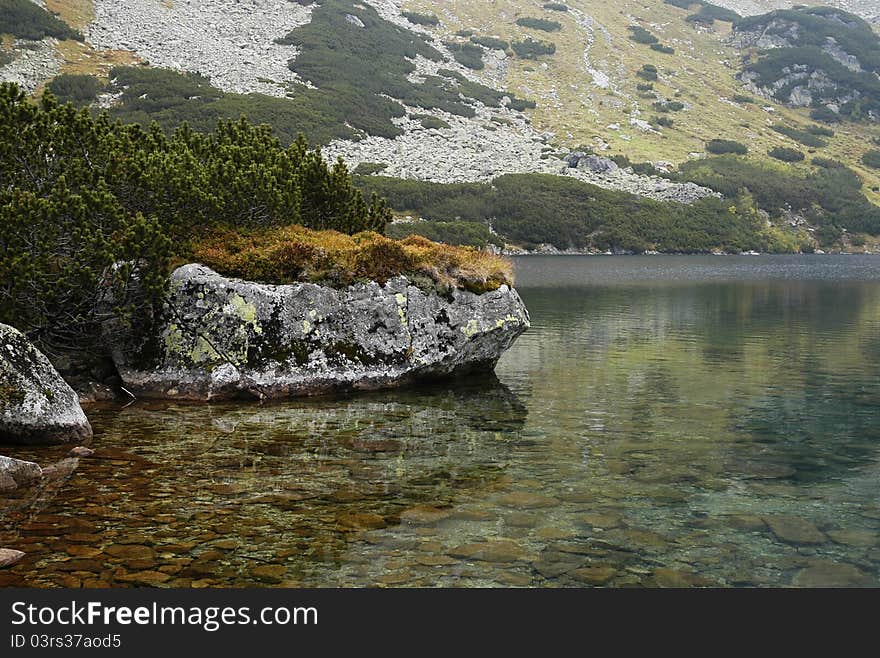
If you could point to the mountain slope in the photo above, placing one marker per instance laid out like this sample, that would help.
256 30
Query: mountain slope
467 91
588 92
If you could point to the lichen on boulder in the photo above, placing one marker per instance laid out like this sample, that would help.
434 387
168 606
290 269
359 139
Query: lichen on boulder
219 337
36 405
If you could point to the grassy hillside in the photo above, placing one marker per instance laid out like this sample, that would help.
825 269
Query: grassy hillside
700 74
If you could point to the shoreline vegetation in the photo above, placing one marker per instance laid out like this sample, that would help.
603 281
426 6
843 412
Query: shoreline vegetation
95 214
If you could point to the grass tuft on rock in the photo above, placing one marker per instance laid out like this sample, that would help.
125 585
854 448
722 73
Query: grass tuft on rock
295 254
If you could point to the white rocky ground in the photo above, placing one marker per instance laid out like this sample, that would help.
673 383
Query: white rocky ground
229 41
34 62
867 9
467 151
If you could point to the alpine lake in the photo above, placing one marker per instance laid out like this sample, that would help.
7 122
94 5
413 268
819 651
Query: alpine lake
667 421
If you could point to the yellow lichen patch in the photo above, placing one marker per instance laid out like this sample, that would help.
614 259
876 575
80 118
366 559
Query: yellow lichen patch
76 13
471 329
294 253
203 352
246 311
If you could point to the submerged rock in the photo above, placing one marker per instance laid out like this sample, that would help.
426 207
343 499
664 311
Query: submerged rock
9 556
825 573
15 473
795 530
36 404
225 338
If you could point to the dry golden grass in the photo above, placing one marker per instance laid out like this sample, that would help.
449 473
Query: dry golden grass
293 253
76 13
80 58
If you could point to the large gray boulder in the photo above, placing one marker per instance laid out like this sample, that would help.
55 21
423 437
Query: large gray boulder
225 338
36 404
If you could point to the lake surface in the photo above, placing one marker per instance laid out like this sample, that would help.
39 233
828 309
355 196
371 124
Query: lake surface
666 421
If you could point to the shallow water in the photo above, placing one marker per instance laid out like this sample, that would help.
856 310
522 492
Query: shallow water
666 421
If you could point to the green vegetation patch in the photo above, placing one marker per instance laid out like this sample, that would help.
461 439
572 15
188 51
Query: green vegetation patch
171 98
430 122
532 49
828 163
707 14
77 89
486 95
26 20
641 35
669 106
369 168
660 48
648 72
828 195
420 19
531 209
824 114
469 55
871 159
555 6
493 43
721 146
786 154
805 137
539 24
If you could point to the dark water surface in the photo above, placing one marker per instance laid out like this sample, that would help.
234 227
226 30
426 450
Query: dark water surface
666 421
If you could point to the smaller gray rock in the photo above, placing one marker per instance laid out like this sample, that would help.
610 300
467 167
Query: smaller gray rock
22 472
36 405
574 157
354 20
597 164
15 473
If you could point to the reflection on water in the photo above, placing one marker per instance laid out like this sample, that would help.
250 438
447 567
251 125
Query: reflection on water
666 421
